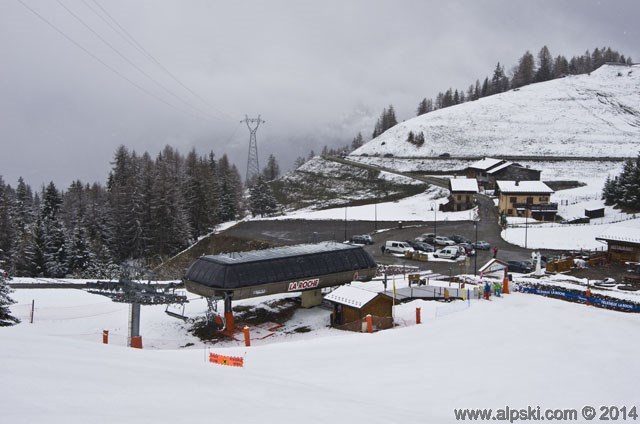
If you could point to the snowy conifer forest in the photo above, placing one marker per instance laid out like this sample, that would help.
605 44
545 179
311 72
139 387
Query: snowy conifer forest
150 209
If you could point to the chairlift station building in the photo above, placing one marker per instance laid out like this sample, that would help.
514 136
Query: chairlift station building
286 269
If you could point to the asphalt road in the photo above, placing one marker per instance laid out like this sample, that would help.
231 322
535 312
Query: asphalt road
287 232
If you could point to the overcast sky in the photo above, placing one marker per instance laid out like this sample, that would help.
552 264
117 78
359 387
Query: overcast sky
317 72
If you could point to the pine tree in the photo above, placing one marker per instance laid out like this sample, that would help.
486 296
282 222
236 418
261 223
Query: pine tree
6 226
6 319
261 199
560 67
357 142
545 63
499 81
272 170
525 72
169 221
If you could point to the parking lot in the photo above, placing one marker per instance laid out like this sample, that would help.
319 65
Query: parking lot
307 231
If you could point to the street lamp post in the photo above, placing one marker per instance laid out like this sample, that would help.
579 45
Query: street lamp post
526 224
435 218
475 258
345 223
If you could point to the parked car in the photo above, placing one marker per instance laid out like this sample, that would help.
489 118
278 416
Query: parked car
449 252
426 237
469 250
519 266
481 245
459 239
443 241
421 246
362 239
400 247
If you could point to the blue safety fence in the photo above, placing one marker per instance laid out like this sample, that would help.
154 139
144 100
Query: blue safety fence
599 301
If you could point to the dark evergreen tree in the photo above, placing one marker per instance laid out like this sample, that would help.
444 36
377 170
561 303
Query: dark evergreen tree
6 226
272 170
261 199
499 81
560 67
169 221
624 190
357 142
6 319
386 121
425 106
545 63
525 72
79 256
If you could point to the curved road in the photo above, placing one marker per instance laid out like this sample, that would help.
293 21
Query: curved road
287 232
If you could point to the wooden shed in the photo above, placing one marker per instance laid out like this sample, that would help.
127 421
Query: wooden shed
623 243
351 305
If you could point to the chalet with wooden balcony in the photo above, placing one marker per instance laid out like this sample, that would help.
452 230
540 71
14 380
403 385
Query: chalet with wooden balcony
526 199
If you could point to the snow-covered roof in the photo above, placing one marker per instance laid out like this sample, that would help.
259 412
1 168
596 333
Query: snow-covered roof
351 296
485 163
499 167
620 233
537 187
464 184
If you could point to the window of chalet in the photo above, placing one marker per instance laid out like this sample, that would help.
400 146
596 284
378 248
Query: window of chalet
513 199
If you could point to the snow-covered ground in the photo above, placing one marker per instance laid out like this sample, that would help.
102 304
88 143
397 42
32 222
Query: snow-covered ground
591 115
515 351
415 208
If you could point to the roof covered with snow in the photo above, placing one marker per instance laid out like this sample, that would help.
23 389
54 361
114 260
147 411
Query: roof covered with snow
620 233
499 167
351 296
464 184
485 163
537 187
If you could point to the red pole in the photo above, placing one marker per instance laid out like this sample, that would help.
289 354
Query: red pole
247 337
105 336
369 324
417 315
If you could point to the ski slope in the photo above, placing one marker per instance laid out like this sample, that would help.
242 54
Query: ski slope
517 350
591 115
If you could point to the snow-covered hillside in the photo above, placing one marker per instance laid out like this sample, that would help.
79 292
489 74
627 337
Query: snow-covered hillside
591 115
517 350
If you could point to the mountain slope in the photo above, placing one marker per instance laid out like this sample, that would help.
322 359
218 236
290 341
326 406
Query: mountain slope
585 115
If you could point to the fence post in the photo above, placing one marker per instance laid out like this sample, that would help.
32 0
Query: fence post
105 336
418 316
369 324
247 336
33 306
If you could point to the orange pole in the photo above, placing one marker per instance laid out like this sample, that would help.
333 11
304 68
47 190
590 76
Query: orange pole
247 336
588 294
369 324
136 342
105 336
505 285
417 315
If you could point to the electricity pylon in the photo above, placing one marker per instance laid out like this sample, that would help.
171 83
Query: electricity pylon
253 166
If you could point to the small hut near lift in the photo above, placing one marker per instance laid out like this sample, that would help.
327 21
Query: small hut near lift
351 306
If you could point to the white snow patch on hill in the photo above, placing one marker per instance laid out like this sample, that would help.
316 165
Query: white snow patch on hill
585 115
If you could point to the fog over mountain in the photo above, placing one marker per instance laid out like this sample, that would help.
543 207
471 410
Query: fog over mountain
80 77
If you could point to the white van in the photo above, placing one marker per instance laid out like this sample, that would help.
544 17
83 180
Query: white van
400 247
449 252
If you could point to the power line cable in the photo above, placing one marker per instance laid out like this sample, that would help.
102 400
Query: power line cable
103 63
131 40
171 93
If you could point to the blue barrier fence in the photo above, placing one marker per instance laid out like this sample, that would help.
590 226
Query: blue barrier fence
596 301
